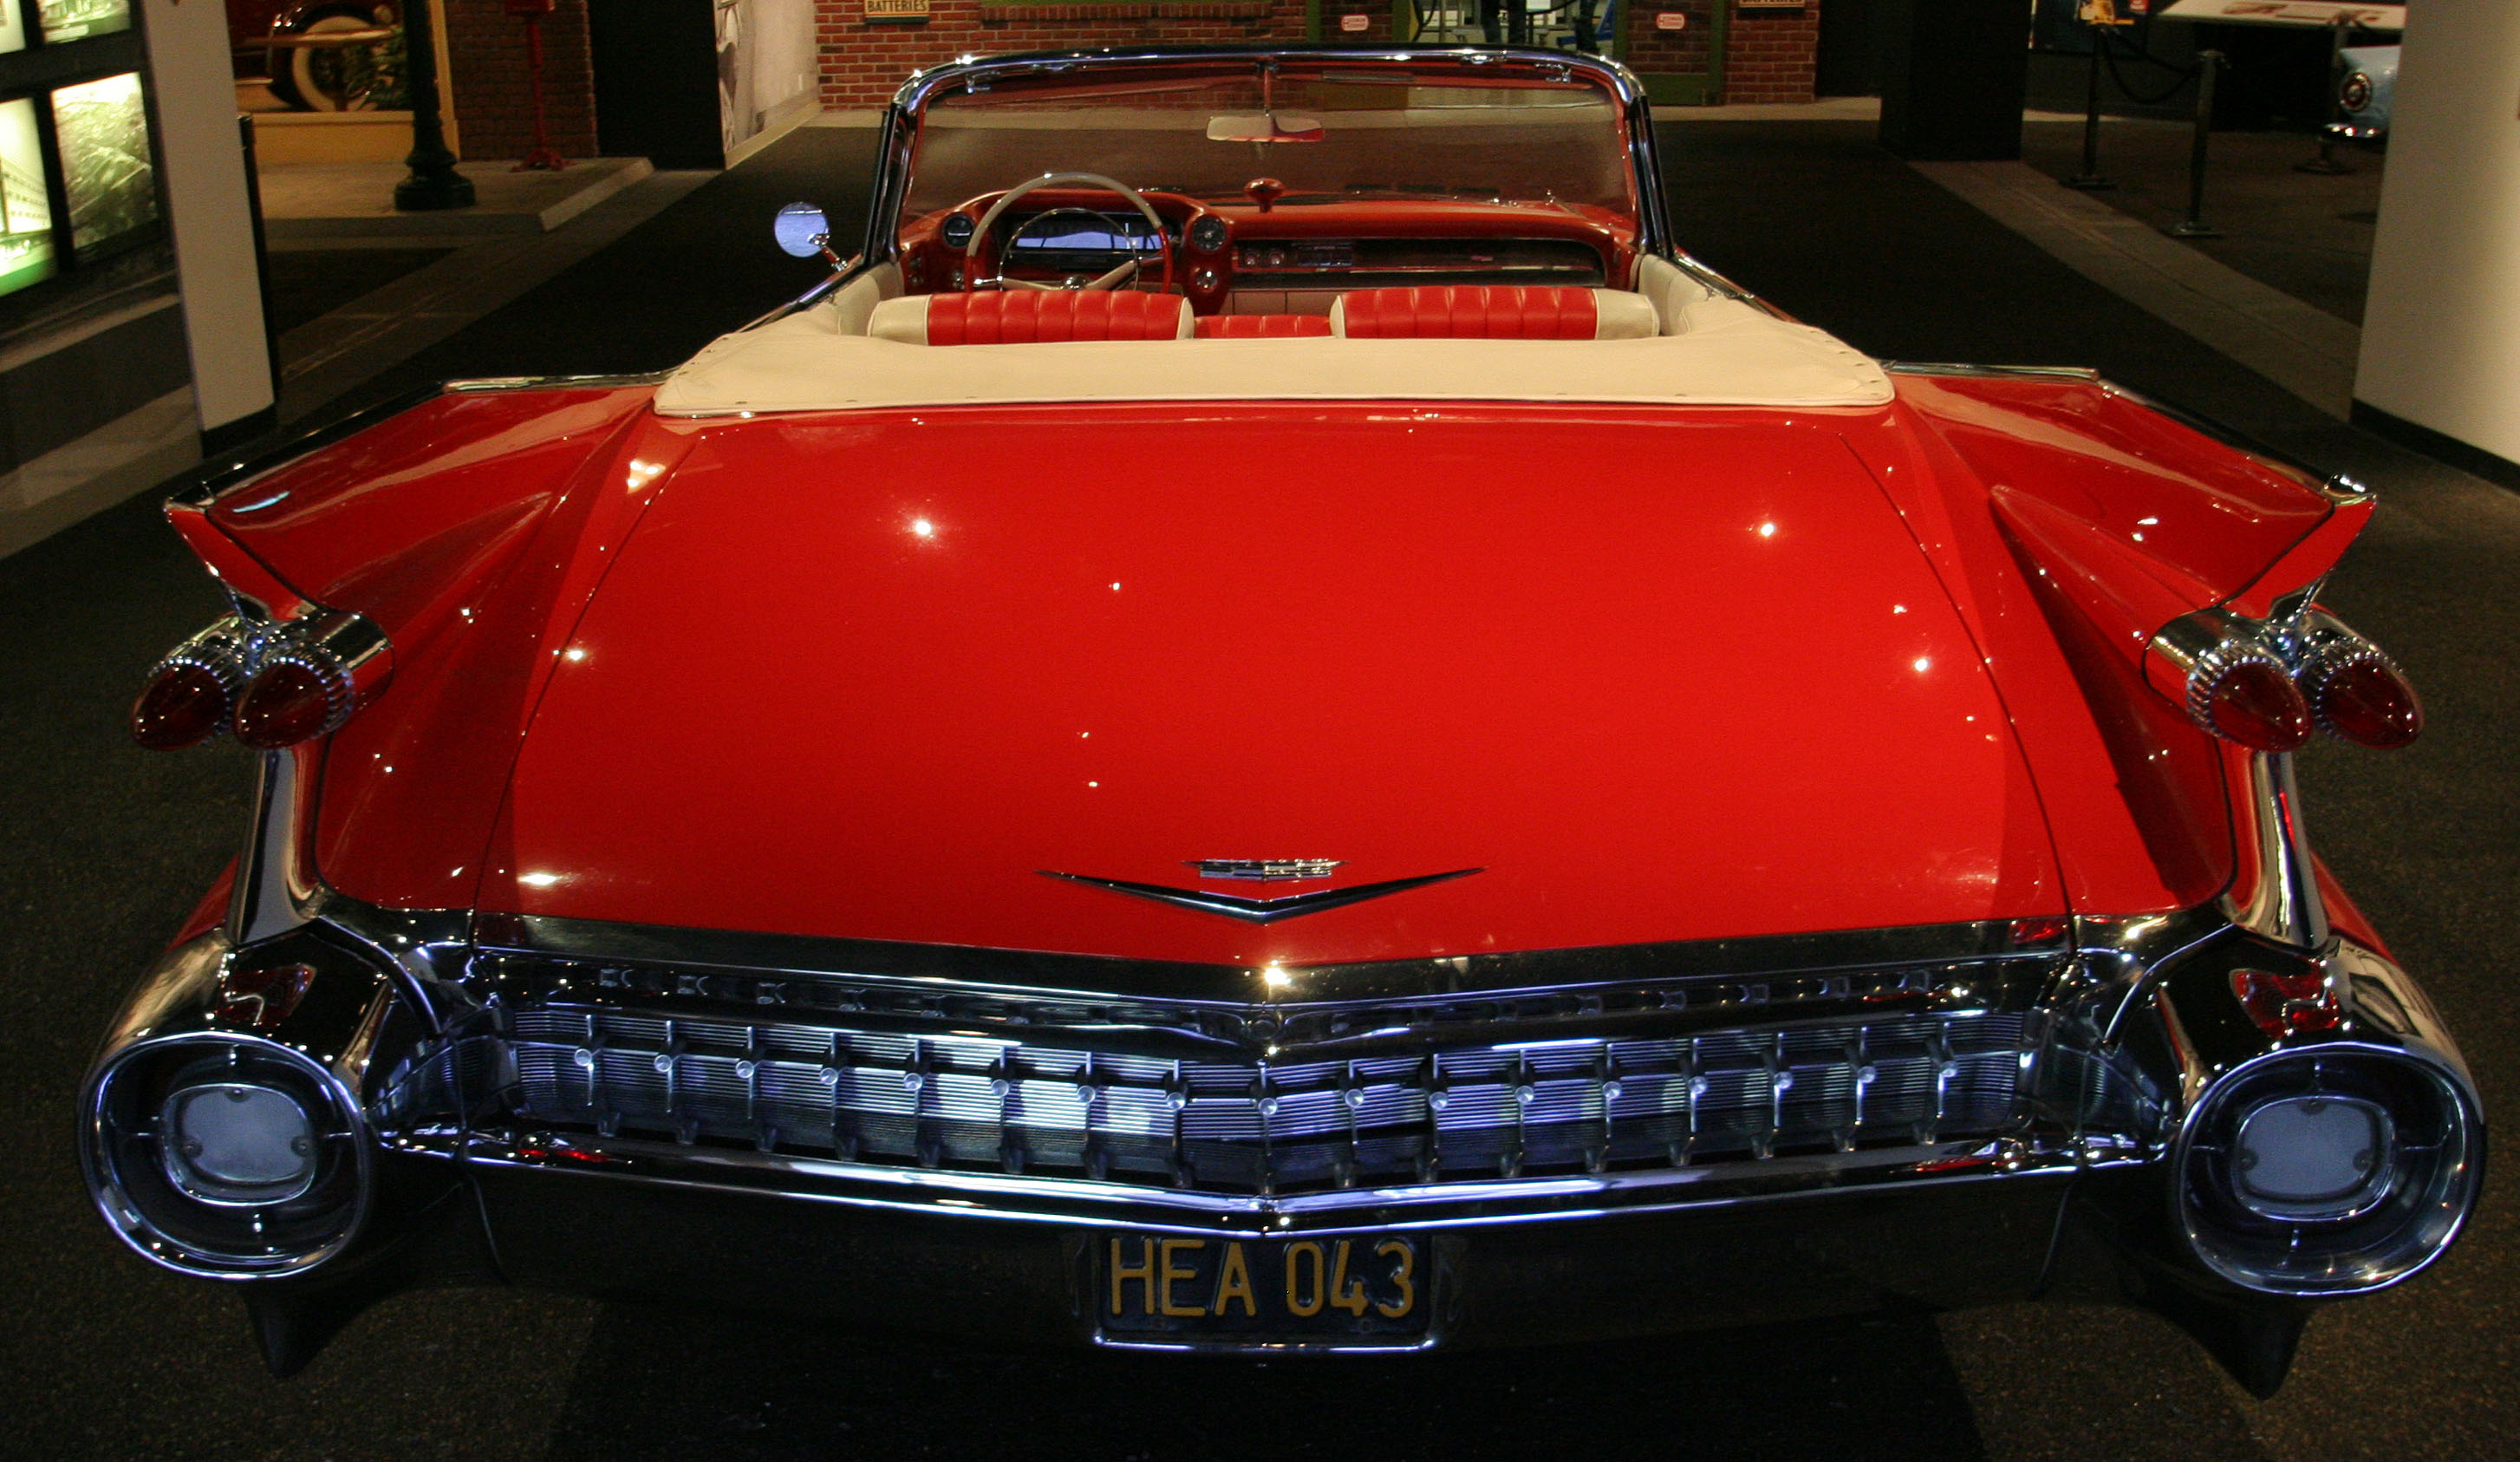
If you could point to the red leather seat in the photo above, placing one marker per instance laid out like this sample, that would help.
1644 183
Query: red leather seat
1010 317
1261 327
1481 312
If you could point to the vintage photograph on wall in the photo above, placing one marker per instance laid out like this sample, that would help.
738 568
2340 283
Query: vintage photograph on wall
25 208
74 19
104 132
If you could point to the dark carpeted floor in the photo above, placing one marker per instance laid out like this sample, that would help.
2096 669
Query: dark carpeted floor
106 845
309 283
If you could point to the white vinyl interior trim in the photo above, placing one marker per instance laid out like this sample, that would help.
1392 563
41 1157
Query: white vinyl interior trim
1713 351
1624 316
852 305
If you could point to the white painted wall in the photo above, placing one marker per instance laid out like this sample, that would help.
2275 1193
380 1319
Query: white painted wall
206 210
2441 329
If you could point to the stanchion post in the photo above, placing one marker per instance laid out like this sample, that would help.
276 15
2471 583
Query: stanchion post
2193 226
541 156
2327 163
433 183
261 249
2090 180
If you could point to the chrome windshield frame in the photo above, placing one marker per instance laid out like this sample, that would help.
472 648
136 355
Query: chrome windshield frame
900 120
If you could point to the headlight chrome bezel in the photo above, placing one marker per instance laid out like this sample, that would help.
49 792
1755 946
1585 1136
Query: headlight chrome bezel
2386 1236
138 1187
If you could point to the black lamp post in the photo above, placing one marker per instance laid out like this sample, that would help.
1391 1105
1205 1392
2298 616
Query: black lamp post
433 183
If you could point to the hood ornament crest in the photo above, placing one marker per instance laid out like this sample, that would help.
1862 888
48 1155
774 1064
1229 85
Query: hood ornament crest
1262 910
1264 870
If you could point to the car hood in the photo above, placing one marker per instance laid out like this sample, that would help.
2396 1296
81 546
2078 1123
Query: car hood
1655 674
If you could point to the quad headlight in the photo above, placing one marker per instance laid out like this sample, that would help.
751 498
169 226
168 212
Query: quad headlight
226 1154
2329 1169
2313 1159
236 1142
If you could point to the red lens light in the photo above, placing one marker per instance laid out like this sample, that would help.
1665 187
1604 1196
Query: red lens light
2257 704
285 705
2367 703
263 998
182 705
2292 1004
2040 931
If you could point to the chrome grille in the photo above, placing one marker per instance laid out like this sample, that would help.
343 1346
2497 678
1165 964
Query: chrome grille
1258 1126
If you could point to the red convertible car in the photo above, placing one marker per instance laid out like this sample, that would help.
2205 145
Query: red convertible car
1271 724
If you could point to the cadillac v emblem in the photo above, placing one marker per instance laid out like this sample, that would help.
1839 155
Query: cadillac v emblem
1262 910
1265 870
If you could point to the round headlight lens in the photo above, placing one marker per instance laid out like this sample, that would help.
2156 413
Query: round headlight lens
2311 1158
236 1142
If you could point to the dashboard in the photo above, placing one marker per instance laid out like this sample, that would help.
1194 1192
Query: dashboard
1296 257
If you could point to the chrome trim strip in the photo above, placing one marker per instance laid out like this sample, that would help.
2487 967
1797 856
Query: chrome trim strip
1226 1346
923 86
206 484
1085 1203
481 385
2083 374
849 269
271 890
1036 974
1262 910
2285 906
891 186
2339 489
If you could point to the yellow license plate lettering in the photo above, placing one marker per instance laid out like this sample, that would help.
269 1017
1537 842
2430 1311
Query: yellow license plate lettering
1303 1295
1172 1275
1143 1271
1234 1282
1405 1277
1346 1292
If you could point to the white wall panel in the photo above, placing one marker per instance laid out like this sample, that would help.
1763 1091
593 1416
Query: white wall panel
2441 333
206 209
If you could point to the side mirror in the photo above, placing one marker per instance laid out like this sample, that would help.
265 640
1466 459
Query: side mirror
802 231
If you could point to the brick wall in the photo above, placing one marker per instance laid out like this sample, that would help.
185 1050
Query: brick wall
1770 55
864 62
1773 56
1652 50
486 68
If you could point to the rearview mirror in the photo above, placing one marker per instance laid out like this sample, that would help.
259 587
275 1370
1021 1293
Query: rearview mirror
801 230
1263 128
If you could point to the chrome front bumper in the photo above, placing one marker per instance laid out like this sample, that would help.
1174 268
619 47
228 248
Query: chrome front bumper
1551 1204
1003 1276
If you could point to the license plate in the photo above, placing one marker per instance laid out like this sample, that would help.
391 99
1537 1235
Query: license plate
1164 1285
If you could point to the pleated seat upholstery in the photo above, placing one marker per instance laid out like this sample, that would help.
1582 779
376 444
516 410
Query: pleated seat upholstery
1012 317
1493 312
1261 327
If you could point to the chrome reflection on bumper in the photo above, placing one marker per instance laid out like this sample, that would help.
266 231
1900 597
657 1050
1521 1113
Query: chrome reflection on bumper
1452 1075
1262 1127
1084 1203
621 1069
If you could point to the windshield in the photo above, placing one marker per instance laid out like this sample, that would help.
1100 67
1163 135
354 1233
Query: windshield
1327 135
